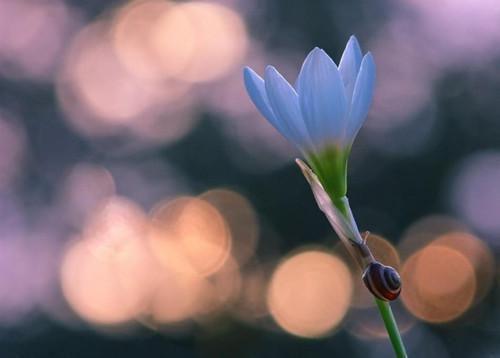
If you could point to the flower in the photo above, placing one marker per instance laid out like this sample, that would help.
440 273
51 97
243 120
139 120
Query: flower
322 115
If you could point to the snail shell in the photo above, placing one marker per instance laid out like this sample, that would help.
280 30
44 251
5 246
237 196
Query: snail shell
382 281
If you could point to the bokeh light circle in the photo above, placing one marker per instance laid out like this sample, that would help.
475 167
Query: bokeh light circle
439 284
34 34
478 254
199 41
106 275
179 295
425 230
192 233
310 293
132 38
94 289
241 219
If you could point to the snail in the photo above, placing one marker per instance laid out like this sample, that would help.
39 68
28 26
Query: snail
382 281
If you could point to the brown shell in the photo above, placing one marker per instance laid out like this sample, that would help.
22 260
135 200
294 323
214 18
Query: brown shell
382 281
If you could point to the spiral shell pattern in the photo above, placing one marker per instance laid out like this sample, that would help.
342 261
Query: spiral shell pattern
382 281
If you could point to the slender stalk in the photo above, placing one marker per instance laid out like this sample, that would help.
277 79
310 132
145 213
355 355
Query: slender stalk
392 328
383 306
333 207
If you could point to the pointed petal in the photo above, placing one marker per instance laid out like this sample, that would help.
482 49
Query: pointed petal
256 90
285 104
349 66
254 85
362 96
300 78
322 98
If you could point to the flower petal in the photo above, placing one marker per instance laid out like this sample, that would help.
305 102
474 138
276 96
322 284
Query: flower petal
362 96
322 98
255 87
349 66
300 78
285 105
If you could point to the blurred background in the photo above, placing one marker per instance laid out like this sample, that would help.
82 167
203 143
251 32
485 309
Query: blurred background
148 210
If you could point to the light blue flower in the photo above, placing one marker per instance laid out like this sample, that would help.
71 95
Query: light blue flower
322 115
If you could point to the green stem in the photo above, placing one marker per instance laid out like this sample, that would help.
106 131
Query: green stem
383 306
392 328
